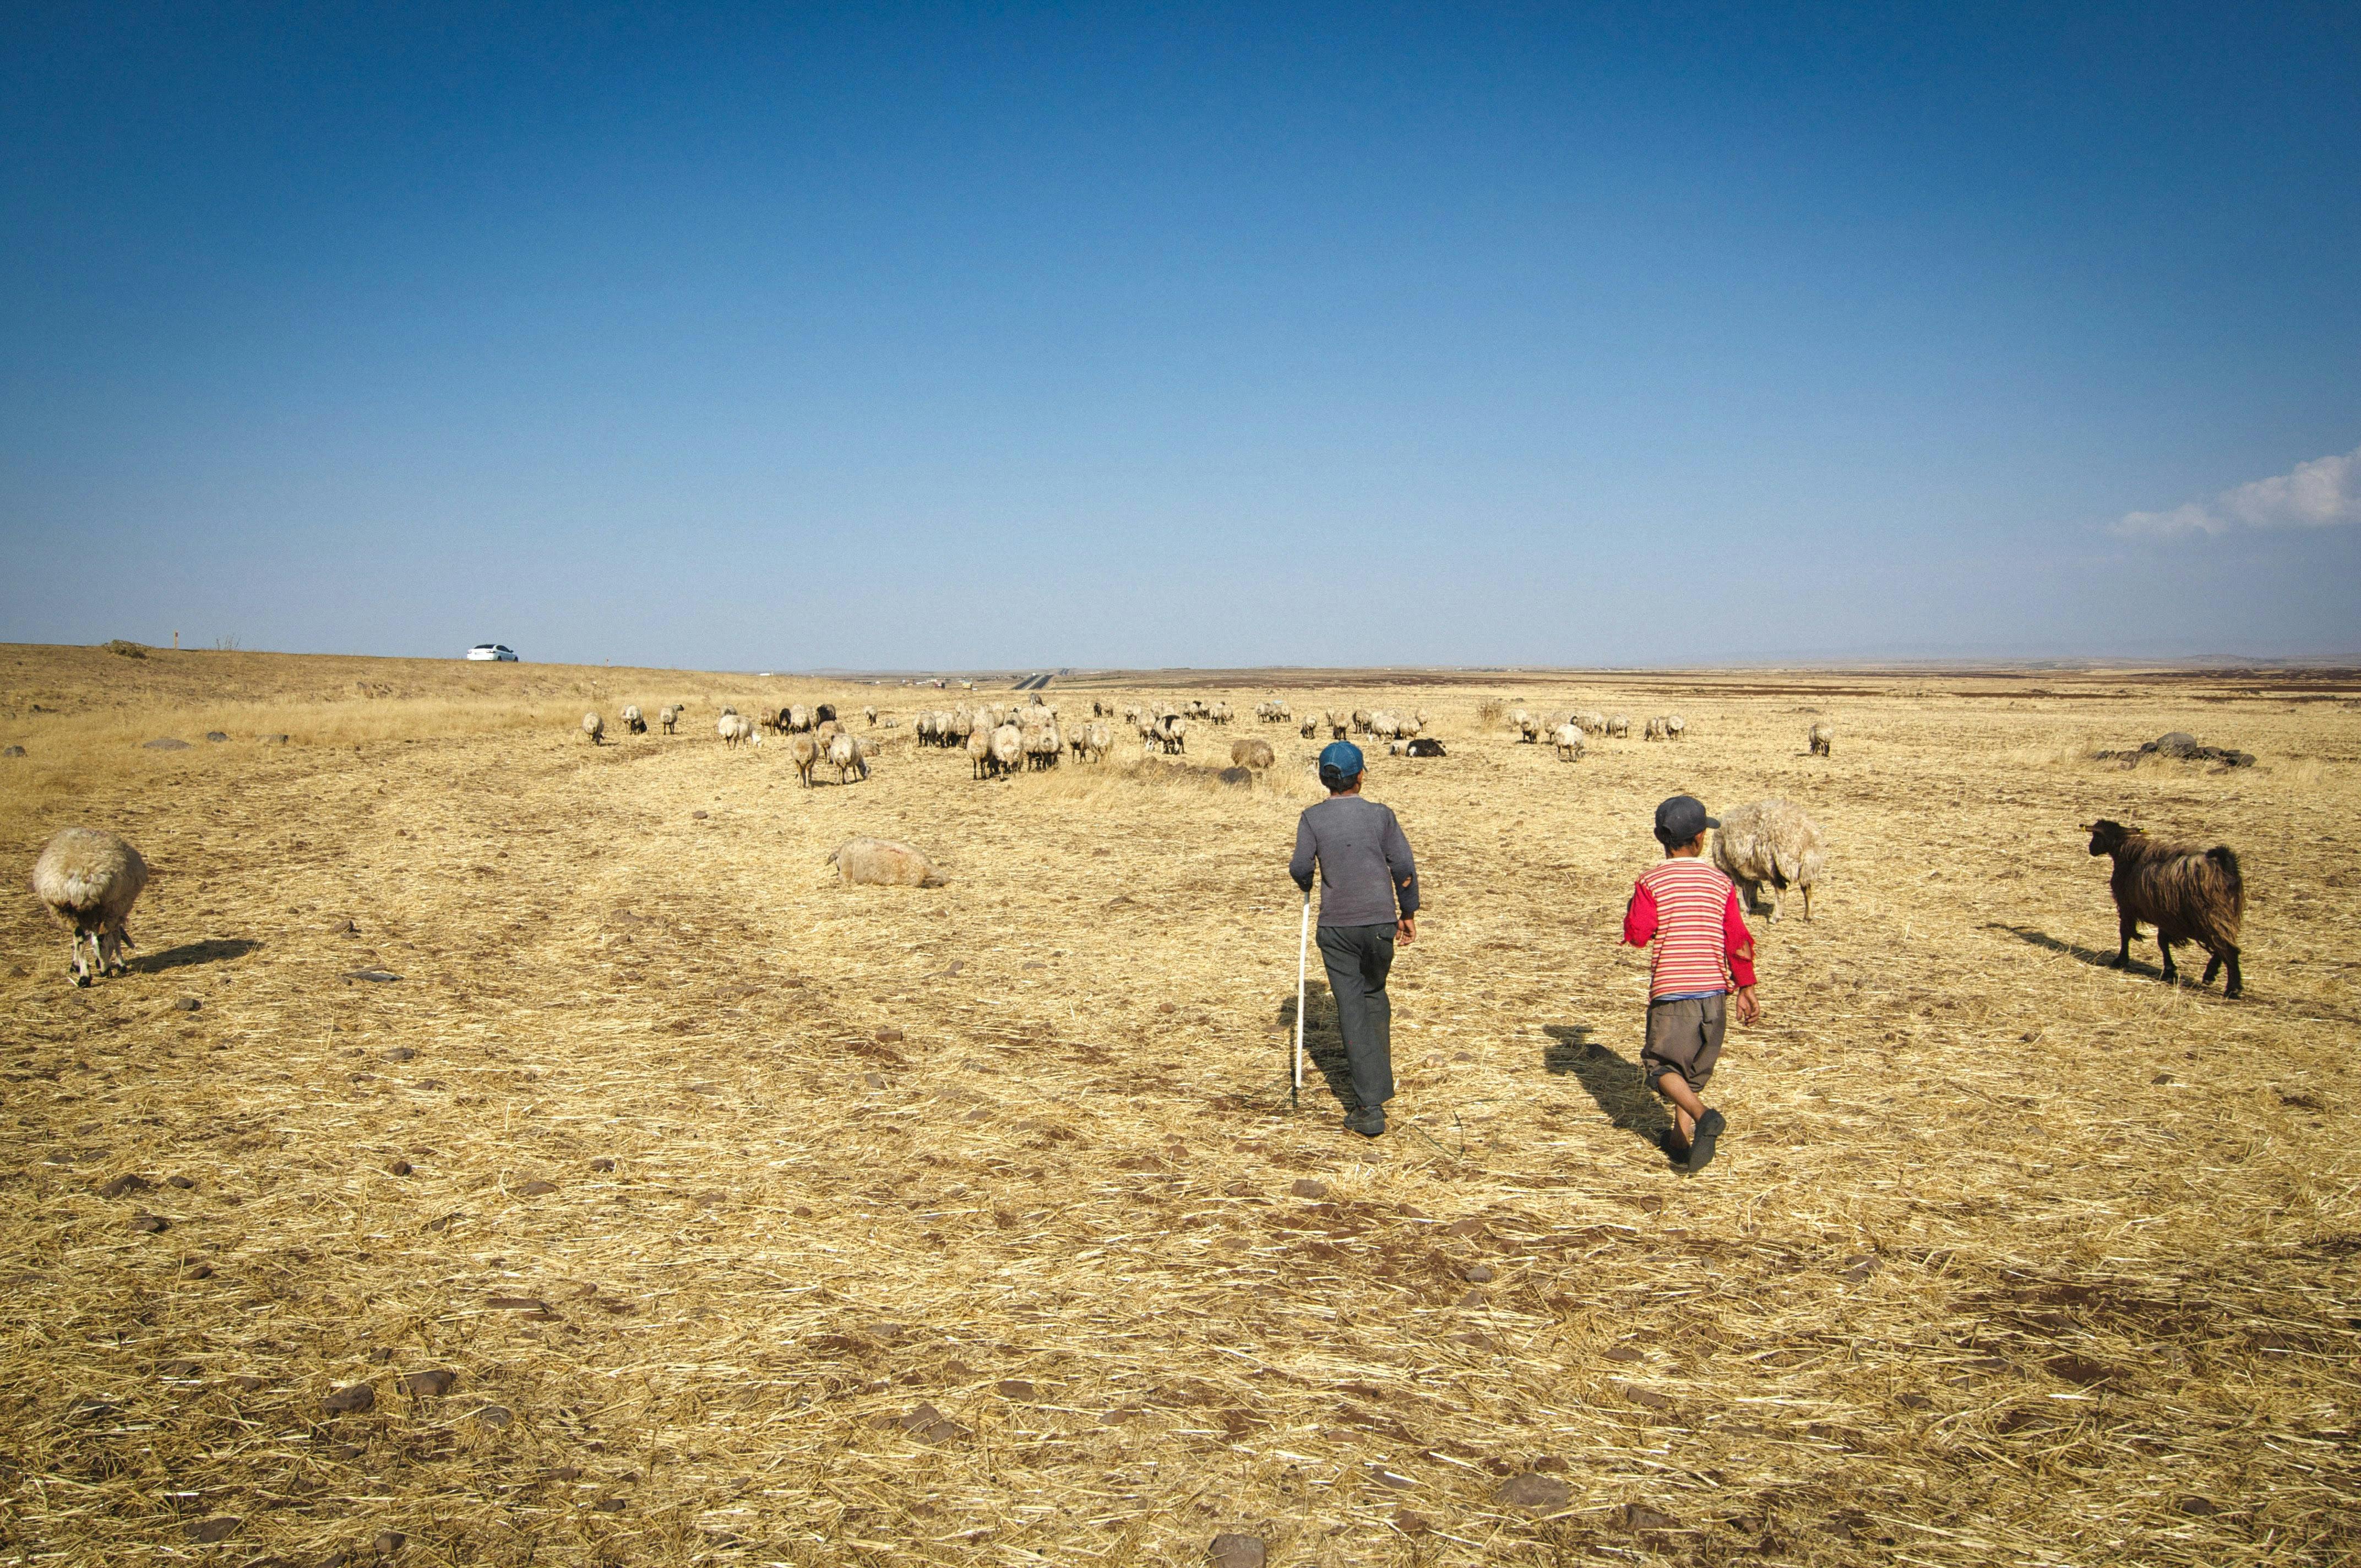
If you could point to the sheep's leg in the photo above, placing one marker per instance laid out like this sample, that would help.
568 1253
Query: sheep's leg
2238 986
2212 967
1808 901
79 967
2125 928
2164 946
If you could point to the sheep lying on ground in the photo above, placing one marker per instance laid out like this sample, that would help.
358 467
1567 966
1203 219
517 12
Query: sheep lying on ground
594 727
844 756
1256 754
1569 743
90 878
881 862
2189 894
667 716
1820 738
633 723
1771 842
1422 746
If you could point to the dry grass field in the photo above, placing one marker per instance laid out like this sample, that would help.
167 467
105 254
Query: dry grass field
675 1204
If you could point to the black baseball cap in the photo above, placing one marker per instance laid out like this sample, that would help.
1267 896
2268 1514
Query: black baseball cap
1681 818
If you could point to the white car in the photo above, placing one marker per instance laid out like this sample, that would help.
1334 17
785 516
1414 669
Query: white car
493 651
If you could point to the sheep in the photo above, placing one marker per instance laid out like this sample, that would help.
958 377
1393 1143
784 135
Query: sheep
633 723
1517 719
881 862
1771 841
2189 895
844 756
824 713
667 716
979 754
1675 727
1656 730
1091 741
594 727
1007 749
1361 721
1310 729
727 728
1175 735
804 752
1397 748
1820 738
1423 746
1042 746
1529 729
799 718
871 715
1620 726
1256 754
1593 723
90 878
1569 743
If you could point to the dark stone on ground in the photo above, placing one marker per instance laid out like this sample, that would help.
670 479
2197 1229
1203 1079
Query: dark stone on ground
216 736
1237 778
165 743
1229 1550
431 1384
1625 1353
150 1225
535 1189
401 1167
1305 1187
220 1527
1536 1494
377 975
602 1163
1636 1517
127 1182
183 1183
399 1053
187 1005
2179 747
350 1401
13 751
494 1415
1017 1388
389 1541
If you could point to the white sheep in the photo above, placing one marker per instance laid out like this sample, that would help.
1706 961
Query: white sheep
1619 725
1771 842
870 714
1656 730
633 723
881 862
667 716
804 752
1568 739
90 878
844 756
979 753
594 727
1821 739
1675 727
1007 749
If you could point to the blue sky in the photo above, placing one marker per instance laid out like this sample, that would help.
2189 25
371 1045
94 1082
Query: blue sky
919 337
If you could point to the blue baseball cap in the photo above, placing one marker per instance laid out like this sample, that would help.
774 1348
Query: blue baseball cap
1339 763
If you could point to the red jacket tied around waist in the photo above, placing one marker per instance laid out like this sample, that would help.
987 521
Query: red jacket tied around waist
1690 910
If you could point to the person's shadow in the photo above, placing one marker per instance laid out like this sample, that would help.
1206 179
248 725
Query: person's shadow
1610 1079
1324 1043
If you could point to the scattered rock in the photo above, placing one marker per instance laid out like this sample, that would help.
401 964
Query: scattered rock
399 1053
378 976
1648 1398
1625 1353
183 1183
696 815
165 743
1229 1550
219 1527
535 1189
1480 1275
127 1182
216 736
431 1384
1017 1388
2180 747
1470 1226
889 1036
1637 1517
1914 1401
389 1541
1395 1479
1306 1188
929 1423
150 1225
1857 1270
1411 1522
445 1223
2196 1506
13 751
1535 1493
602 1163
401 1167
494 1416
187 1005
610 1505
352 1399
1237 778
517 1304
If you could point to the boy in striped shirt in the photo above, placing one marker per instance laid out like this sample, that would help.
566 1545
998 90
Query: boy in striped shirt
1704 951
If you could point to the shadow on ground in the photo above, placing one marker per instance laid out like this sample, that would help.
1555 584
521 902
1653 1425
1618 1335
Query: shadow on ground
1324 1046
1610 1080
220 949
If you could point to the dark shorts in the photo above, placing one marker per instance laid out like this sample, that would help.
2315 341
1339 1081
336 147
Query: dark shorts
1684 1037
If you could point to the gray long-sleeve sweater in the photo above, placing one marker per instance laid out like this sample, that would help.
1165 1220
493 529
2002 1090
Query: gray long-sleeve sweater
1365 862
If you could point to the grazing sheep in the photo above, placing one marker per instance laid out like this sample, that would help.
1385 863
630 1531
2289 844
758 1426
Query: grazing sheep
1091 741
1529 729
799 718
90 878
1821 739
1256 754
594 727
881 862
844 756
1592 723
633 723
804 752
979 753
1422 746
824 713
1675 727
1620 726
1656 730
1007 749
2189 894
1771 842
727 728
1175 735
1569 743
871 715
1310 729
667 716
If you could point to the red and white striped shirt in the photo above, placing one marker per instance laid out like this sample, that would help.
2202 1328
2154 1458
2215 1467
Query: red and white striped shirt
1690 909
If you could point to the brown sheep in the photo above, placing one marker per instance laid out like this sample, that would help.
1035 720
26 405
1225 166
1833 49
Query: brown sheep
90 878
2189 894
1255 754
881 862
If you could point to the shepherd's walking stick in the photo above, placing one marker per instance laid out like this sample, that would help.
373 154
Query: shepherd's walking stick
1302 946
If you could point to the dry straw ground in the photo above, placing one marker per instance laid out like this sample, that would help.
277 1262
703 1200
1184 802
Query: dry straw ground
674 1204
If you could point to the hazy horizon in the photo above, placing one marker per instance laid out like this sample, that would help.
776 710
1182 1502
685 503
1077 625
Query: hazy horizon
966 339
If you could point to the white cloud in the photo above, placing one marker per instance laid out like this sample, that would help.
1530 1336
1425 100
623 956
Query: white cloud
2319 494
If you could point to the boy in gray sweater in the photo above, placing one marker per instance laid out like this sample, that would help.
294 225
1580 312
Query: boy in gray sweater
1365 875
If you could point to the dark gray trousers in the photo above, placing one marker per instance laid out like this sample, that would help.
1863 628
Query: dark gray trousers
1356 957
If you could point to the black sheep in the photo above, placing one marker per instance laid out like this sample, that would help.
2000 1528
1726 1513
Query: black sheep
2189 895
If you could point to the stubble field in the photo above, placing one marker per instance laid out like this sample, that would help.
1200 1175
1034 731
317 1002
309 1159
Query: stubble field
675 1204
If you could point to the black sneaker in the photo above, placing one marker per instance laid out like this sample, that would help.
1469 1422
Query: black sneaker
1709 1126
1367 1121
